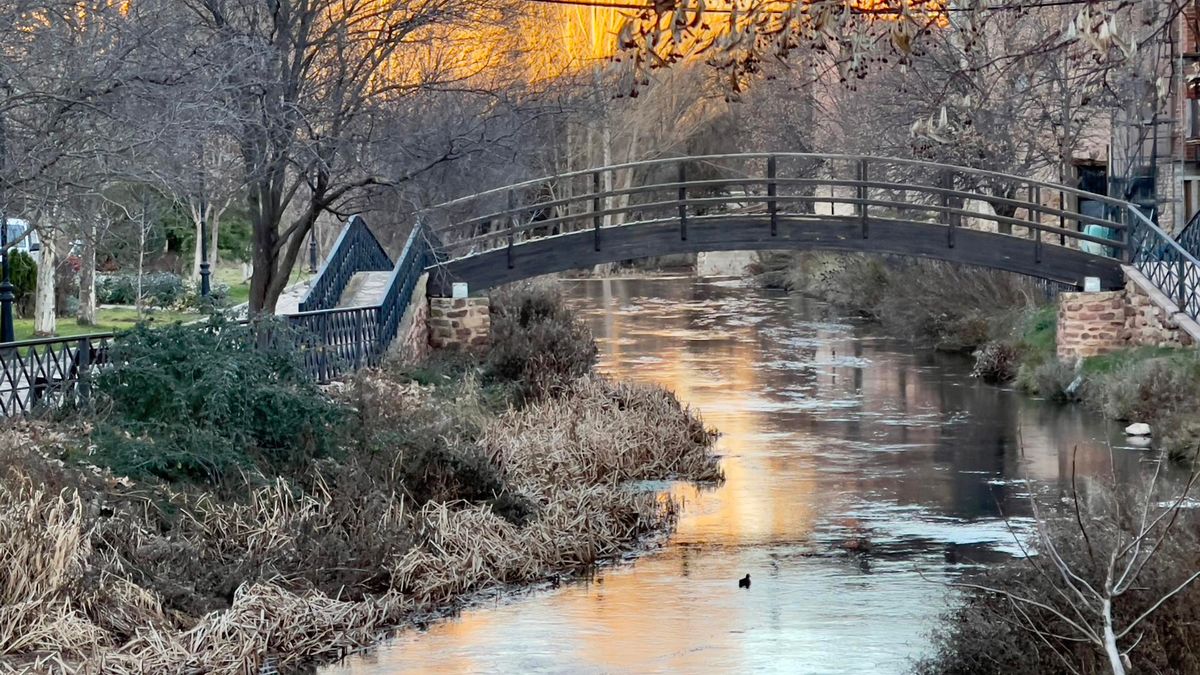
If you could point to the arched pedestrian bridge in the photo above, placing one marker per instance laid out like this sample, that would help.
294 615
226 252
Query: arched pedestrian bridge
782 201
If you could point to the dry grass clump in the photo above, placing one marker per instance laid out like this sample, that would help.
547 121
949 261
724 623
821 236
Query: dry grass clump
467 547
44 549
266 623
601 432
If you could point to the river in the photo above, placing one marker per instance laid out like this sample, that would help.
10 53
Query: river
862 474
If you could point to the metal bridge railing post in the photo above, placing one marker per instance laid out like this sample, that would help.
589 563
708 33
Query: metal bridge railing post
512 224
1035 217
1181 295
862 196
682 200
1062 218
772 206
83 371
949 219
596 207
1126 255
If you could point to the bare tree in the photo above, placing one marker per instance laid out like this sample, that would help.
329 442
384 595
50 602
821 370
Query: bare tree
1097 576
305 82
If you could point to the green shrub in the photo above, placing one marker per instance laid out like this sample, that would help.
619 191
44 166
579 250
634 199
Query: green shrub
195 402
537 341
23 272
1053 379
1144 391
160 289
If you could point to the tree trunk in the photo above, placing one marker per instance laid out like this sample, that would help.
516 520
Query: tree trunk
45 323
198 223
214 226
86 314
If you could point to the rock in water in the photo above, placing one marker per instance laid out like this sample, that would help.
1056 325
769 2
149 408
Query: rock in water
744 582
1138 429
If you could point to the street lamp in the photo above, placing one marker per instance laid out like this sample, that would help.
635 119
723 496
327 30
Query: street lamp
7 333
6 288
312 249
205 268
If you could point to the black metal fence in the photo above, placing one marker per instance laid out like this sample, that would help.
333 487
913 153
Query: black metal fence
1169 266
330 341
1189 236
49 372
356 250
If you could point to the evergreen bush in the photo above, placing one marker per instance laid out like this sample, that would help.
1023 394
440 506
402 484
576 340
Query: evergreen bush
196 402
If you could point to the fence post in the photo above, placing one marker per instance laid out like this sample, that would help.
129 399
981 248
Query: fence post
323 350
596 218
83 370
1062 218
950 219
512 224
772 206
1126 255
682 200
1181 293
862 196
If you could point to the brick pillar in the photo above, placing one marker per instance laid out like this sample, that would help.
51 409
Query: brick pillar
1090 324
460 323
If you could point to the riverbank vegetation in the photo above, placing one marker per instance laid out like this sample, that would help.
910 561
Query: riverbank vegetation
1108 587
217 513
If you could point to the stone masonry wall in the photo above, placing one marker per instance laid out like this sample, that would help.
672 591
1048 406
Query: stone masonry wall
1151 318
1090 324
463 323
412 337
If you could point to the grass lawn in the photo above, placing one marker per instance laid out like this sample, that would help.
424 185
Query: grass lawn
120 318
239 291
108 320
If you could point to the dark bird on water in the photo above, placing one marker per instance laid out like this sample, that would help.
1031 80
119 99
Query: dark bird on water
744 582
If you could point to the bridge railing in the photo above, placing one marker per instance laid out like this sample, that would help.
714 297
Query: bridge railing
770 188
1169 266
356 250
1189 236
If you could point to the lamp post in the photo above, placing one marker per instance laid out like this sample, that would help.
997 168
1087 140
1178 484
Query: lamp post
312 249
6 287
205 268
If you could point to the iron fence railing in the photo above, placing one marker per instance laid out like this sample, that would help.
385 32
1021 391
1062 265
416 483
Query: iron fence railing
410 265
50 372
1169 266
331 342
356 250
1189 236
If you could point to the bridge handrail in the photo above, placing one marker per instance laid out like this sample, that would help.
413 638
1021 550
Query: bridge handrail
800 199
716 182
1189 236
1170 267
534 182
356 250
410 265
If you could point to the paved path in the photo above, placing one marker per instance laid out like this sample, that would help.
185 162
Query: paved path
365 289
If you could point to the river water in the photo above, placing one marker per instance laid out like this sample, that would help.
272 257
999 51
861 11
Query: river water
861 474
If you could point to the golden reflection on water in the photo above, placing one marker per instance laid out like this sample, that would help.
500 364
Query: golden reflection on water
827 433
